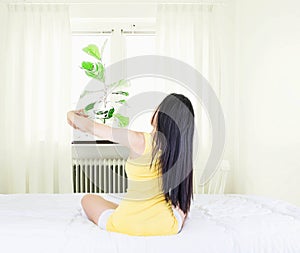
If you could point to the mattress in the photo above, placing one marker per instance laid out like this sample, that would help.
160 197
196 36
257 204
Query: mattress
216 224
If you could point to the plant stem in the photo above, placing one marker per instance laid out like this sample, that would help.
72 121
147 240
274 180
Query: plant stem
105 92
105 96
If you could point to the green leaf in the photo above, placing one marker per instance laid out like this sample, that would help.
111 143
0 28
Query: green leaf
124 93
87 65
84 93
93 51
111 112
122 101
107 113
102 112
91 74
100 71
89 107
121 83
123 121
94 70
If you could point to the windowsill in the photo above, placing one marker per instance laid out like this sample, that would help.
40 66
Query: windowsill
94 142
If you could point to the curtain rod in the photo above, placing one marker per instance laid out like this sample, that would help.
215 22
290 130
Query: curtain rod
118 3
109 32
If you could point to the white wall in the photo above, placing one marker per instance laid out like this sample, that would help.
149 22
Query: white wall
261 42
126 13
226 24
268 80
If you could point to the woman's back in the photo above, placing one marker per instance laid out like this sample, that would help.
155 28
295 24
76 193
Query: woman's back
144 210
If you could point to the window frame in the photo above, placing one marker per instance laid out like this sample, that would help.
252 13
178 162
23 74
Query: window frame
116 27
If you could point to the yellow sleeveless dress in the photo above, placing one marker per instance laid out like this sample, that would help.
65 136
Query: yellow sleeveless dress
143 211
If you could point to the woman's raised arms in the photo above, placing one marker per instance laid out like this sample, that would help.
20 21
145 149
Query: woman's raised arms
133 140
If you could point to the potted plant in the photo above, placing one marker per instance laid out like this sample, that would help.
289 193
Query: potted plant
104 109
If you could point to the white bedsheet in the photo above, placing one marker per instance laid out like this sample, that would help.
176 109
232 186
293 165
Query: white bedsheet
217 224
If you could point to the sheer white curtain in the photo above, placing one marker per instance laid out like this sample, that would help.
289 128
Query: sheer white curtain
35 95
188 33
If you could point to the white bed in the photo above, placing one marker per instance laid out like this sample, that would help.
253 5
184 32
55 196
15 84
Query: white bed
217 224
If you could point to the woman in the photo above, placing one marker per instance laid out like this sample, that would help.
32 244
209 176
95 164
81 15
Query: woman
159 170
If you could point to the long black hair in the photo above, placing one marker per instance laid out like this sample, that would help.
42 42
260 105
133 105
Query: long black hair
174 123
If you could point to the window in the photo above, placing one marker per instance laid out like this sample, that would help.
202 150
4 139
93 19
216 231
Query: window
137 45
120 44
79 78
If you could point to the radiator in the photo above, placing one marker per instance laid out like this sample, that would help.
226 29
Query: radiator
216 185
108 176
99 176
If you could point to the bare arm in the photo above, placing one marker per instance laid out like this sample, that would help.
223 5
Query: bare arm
131 139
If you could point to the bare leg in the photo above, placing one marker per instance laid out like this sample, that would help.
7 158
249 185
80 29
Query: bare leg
94 205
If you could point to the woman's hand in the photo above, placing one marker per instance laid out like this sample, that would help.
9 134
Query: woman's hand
81 113
78 120
128 138
70 119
